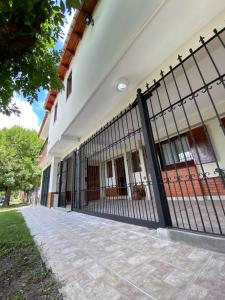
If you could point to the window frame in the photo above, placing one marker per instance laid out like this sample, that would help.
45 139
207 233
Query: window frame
179 164
55 112
69 85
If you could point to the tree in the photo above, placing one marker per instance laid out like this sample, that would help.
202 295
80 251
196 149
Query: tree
29 30
19 151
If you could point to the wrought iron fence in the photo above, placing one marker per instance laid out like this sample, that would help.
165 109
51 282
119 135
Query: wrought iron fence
45 186
113 177
186 111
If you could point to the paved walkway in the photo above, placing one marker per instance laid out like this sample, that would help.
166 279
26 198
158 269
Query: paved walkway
95 258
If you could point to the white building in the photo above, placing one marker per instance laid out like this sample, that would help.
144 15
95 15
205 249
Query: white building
155 159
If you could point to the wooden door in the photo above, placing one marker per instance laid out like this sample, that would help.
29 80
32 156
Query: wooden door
93 183
121 176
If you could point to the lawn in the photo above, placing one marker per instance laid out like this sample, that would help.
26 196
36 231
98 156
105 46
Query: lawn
23 275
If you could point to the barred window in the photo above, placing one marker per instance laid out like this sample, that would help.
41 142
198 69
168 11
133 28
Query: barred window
175 151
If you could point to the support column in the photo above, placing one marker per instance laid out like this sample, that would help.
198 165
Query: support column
153 164
76 200
52 194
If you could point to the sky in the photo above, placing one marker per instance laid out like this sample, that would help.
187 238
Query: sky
31 116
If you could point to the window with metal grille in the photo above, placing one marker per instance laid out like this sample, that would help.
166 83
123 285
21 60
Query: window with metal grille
175 151
69 85
109 169
55 112
136 164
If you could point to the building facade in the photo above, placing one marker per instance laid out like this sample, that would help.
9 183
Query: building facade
138 133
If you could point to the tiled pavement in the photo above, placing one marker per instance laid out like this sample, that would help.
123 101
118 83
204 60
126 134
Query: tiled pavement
95 258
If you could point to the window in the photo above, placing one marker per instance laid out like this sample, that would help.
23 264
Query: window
136 164
109 169
69 85
175 151
55 112
200 145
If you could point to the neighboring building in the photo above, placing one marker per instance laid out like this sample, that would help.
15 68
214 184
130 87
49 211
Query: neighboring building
156 157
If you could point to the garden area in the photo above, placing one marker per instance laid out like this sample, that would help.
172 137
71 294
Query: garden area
23 273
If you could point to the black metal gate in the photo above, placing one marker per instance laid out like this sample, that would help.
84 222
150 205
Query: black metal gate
45 186
161 161
186 113
63 180
113 178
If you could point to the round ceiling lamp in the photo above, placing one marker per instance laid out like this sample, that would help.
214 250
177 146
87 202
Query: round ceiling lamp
122 84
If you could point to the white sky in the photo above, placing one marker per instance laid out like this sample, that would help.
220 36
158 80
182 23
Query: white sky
66 27
27 119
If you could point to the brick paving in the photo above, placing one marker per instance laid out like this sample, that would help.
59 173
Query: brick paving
199 215
95 258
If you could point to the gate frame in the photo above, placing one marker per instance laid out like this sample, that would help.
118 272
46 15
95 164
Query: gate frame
152 161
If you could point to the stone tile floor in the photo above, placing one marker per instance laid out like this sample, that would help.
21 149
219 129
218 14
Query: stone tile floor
95 258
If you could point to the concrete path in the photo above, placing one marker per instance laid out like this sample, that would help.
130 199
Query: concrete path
95 258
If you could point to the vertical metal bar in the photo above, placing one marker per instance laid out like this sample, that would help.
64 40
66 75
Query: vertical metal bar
182 146
134 176
118 199
148 207
128 184
189 173
160 149
153 164
168 181
208 137
73 180
60 183
140 208
218 35
78 180
120 152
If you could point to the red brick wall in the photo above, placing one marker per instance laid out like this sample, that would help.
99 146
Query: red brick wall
215 185
187 187
50 199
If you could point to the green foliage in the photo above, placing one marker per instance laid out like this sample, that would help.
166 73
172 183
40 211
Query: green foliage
29 30
19 150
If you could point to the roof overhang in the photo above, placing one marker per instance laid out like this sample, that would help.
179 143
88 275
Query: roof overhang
74 36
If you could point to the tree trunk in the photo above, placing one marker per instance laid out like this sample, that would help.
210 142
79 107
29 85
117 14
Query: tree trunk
7 197
27 197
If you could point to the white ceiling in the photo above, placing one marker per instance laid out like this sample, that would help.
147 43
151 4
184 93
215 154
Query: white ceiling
170 26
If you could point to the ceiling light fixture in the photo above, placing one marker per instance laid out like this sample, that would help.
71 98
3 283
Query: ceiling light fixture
122 85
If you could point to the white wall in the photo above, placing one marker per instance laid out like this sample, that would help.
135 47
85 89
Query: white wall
99 49
94 60
104 47
53 175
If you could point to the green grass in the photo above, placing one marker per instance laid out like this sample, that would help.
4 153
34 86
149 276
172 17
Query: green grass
23 275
